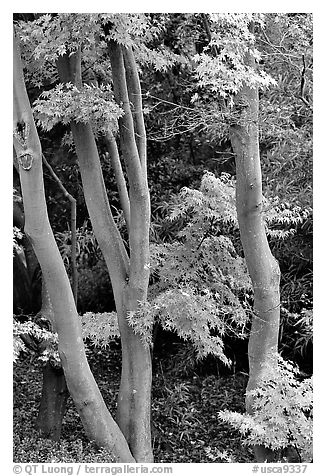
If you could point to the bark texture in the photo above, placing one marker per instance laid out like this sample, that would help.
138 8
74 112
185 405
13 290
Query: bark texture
262 266
97 420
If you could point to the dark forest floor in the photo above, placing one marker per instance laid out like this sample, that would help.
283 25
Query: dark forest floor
186 428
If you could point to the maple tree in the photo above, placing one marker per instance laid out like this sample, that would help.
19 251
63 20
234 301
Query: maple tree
200 286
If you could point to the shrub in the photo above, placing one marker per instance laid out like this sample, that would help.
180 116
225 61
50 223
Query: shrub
283 413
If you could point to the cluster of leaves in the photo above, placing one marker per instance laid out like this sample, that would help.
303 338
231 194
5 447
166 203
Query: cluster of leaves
222 69
225 72
100 328
47 351
282 412
200 284
17 236
49 36
282 219
201 288
296 332
66 103
198 278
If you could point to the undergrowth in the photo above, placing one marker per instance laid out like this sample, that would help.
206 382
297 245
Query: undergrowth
184 414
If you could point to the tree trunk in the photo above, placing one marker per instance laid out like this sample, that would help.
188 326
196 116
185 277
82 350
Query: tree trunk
53 402
262 266
129 275
134 400
134 412
54 387
96 418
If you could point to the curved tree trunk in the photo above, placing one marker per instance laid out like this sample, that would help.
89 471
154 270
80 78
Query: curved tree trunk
96 418
262 266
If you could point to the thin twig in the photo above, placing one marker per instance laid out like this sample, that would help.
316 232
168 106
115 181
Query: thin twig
177 106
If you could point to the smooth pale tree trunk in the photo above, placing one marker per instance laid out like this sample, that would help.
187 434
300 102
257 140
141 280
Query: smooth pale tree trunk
129 274
262 266
96 418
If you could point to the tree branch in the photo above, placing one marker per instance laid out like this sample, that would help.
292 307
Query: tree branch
126 124
119 177
136 171
303 84
135 97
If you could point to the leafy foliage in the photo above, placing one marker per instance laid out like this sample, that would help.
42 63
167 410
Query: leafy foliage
45 342
17 235
49 36
87 248
100 328
282 412
66 103
296 333
33 448
185 426
226 72
282 219
197 279
201 288
286 111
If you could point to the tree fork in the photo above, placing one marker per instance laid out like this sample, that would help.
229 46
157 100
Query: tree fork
136 378
129 277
